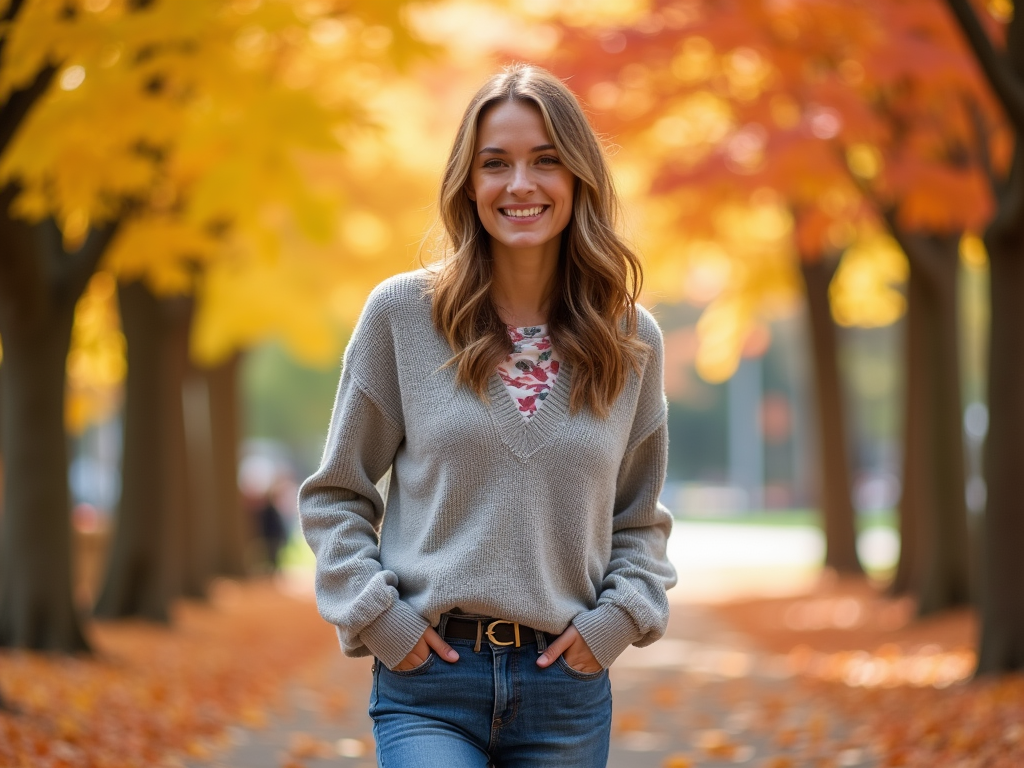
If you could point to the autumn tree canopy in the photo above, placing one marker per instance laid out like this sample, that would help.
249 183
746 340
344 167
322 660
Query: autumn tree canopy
171 141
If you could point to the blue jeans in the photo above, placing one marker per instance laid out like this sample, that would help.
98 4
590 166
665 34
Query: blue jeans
492 708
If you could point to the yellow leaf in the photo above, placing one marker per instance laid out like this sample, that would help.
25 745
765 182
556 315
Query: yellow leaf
864 291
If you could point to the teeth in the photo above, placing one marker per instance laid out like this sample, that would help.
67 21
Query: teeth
522 212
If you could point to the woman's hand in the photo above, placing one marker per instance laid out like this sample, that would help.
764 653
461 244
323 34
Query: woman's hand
570 646
421 650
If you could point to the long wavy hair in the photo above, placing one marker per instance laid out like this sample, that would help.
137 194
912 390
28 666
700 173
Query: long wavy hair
592 315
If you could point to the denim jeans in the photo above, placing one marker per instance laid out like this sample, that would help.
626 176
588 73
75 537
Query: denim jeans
492 708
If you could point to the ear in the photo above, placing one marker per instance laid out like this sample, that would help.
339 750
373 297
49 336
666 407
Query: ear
470 192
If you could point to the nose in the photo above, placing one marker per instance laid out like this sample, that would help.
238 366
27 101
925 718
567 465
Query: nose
521 181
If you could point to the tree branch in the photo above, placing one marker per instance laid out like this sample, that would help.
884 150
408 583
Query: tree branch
885 211
21 275
997 69
69 273
983 151
18 104
916 246
83 262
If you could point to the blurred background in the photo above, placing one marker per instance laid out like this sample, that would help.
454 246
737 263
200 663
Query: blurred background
198 196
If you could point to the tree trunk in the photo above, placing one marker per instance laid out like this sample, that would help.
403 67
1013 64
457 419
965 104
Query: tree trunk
189 452
143 568
1002 563
39 287
36 607
917 495
231 535
161 548
166 537
837 506
934 473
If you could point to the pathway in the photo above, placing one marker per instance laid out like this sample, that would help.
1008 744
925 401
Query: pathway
700 697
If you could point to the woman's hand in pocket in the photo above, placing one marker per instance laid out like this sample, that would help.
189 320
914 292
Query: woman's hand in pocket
420 651
570 646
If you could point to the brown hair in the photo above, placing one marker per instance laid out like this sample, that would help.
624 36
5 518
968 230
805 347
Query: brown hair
592 316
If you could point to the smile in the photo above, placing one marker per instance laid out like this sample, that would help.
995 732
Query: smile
523 213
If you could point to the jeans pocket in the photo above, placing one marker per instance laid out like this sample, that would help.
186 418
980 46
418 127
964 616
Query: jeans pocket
419 669
575 674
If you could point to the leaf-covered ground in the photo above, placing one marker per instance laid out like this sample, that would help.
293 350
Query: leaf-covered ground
151 696
836 677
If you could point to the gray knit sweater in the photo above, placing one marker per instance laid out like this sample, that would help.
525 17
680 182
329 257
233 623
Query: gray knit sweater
544 521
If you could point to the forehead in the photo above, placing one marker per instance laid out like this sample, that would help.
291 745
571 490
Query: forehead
512 122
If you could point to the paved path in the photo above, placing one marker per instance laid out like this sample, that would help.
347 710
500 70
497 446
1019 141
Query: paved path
700 697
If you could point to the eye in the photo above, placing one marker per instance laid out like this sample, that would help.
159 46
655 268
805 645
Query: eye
548 160
493 163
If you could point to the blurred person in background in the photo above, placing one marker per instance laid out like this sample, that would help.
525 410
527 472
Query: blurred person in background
271 530
514 389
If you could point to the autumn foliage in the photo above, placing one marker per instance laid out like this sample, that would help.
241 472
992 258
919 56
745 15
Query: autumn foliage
152 693
276 159
761 133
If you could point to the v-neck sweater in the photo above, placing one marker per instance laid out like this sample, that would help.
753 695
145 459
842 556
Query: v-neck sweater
546 522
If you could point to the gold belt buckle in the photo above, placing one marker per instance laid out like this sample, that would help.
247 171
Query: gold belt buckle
493 624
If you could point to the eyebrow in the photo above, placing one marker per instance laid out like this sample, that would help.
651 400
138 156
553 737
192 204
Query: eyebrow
500 151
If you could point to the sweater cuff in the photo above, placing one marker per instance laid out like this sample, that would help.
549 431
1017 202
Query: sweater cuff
607 630
394 633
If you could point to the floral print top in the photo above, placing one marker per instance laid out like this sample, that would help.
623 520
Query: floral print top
530 371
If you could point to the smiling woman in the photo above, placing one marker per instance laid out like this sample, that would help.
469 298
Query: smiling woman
522 137
514 391
523 195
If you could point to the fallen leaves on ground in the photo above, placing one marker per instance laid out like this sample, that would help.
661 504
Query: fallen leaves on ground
903 683
154 695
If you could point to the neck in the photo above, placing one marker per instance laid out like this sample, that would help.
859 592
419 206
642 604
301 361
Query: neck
522 282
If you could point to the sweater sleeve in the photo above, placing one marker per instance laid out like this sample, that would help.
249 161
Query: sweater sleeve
341 510
632 607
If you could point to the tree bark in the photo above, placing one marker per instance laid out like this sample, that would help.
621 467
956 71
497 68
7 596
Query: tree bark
225 430
160 549
1002 563
40 285
143 567
36 607
933 509
836 502
917 492
189 453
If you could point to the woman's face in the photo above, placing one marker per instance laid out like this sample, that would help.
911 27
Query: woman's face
523 193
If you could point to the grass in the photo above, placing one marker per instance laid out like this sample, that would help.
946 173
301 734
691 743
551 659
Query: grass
793 517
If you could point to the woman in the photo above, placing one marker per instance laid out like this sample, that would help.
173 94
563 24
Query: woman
515 393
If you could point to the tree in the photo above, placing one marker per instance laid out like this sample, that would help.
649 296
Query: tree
41 282
37 524
197 130
147 565
1002 567
838 516
751 137
816 97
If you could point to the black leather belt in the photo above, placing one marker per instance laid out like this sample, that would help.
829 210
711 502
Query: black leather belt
498 631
